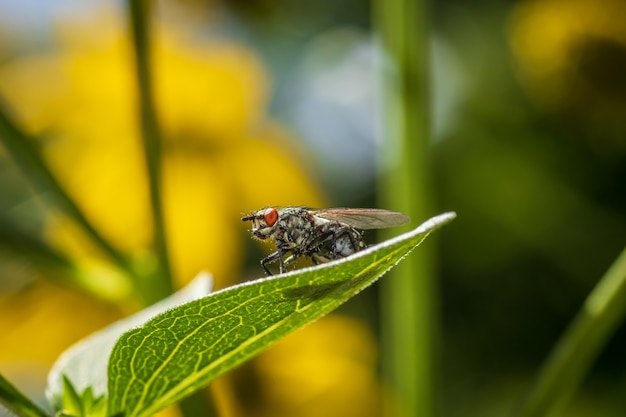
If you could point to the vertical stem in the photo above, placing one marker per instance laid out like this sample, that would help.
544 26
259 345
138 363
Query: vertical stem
409 307
140 28
197 404
575 352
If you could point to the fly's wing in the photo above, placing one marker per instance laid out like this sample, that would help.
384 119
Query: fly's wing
363 218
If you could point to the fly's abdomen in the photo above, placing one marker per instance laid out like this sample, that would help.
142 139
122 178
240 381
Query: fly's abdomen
348 243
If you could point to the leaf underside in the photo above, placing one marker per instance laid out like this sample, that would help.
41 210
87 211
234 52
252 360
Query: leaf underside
83 366
183 349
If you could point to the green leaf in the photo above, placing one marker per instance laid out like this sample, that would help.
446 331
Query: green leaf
84 364
72 401
93 406
16 402
183 349
81 405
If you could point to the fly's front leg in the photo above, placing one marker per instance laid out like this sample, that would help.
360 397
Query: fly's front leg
282 250
272 258
278 255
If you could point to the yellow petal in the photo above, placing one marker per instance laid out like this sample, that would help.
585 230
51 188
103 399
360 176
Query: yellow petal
200 220
219 89
41 321
271 171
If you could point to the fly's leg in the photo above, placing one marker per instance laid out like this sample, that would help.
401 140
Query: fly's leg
280 256
285 248
317 259
317 243
272 258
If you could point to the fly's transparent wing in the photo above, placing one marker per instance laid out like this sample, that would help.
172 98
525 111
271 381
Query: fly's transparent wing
361 218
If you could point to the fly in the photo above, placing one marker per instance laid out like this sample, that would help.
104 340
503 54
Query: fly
321 235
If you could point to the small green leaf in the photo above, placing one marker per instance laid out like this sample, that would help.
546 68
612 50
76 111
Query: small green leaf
72 402
93 406
81 405
84 364
183 349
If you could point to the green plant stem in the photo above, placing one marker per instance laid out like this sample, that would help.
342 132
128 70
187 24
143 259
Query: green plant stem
409 306
45 258
603 311
17 402
162 284
20 243
139 11
25 152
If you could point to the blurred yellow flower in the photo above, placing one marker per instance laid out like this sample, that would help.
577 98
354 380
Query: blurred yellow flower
39 322
37 304
222 157
571 56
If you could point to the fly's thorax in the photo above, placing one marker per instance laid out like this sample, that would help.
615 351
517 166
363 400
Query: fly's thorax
294 226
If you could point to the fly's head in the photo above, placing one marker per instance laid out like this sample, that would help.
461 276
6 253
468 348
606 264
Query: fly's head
264 222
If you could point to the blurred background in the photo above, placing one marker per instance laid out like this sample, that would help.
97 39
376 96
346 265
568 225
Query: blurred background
277 102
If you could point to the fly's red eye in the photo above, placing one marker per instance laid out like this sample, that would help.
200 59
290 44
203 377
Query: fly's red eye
270 216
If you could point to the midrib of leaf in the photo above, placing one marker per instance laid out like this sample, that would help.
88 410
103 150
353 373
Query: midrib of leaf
141 382
177 348
175 392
